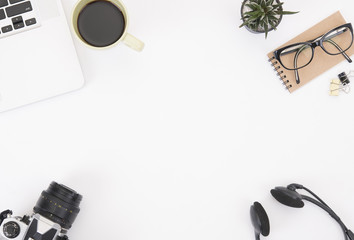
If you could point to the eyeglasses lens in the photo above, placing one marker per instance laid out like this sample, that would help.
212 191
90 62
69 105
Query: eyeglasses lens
296 56
338 41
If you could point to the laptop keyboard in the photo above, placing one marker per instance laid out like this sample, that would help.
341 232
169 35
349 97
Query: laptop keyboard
16 16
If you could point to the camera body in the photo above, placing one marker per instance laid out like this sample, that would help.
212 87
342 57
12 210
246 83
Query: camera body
53 215
28 228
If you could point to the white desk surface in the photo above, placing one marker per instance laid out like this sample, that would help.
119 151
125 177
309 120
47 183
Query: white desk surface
176 142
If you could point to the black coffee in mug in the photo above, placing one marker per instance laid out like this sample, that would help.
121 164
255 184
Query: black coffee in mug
101 23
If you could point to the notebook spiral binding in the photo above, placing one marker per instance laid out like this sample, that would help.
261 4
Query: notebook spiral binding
276 66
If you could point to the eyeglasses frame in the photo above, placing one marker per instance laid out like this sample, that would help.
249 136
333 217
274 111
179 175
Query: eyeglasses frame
313 44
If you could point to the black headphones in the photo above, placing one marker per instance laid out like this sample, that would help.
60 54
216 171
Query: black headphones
289 197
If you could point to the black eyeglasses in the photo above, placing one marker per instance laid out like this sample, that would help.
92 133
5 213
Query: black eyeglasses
299 55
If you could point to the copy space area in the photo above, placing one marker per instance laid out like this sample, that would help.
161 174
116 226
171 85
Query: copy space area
177 141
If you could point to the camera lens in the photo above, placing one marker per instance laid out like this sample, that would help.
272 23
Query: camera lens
59 204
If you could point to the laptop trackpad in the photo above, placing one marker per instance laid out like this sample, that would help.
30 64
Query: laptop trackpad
48 9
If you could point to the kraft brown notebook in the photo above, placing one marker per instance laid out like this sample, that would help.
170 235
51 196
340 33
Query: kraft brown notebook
321 61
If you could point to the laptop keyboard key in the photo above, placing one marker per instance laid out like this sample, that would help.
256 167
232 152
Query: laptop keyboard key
6 29
17 19
15 1
18 22
3 3
19 25
2 14
18 9
30 22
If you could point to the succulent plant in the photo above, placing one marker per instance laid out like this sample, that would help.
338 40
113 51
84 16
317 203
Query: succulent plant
262 15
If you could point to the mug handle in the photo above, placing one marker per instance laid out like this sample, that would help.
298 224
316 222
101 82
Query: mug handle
133 42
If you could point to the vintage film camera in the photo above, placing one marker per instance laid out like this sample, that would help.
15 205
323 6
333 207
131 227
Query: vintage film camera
52 217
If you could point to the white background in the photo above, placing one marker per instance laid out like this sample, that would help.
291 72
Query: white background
177 142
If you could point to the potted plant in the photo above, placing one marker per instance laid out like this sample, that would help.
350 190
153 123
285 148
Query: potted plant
262 16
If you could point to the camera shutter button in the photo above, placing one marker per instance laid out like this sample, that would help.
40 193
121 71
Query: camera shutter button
11 230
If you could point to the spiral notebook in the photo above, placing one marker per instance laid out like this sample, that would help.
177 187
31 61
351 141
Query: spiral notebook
321 61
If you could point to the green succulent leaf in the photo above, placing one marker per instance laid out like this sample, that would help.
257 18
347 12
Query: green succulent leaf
287 12
252 6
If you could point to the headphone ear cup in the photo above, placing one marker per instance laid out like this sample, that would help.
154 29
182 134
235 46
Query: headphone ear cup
260 220
288 197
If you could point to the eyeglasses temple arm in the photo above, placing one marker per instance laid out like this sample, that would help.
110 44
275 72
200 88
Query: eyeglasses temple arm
297 77
340 49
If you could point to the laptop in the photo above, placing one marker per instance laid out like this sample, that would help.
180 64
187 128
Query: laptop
37 55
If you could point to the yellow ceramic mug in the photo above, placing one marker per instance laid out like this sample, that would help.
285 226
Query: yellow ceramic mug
127 38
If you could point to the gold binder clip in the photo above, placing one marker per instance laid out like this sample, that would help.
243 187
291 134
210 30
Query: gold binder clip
340 84
334 87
